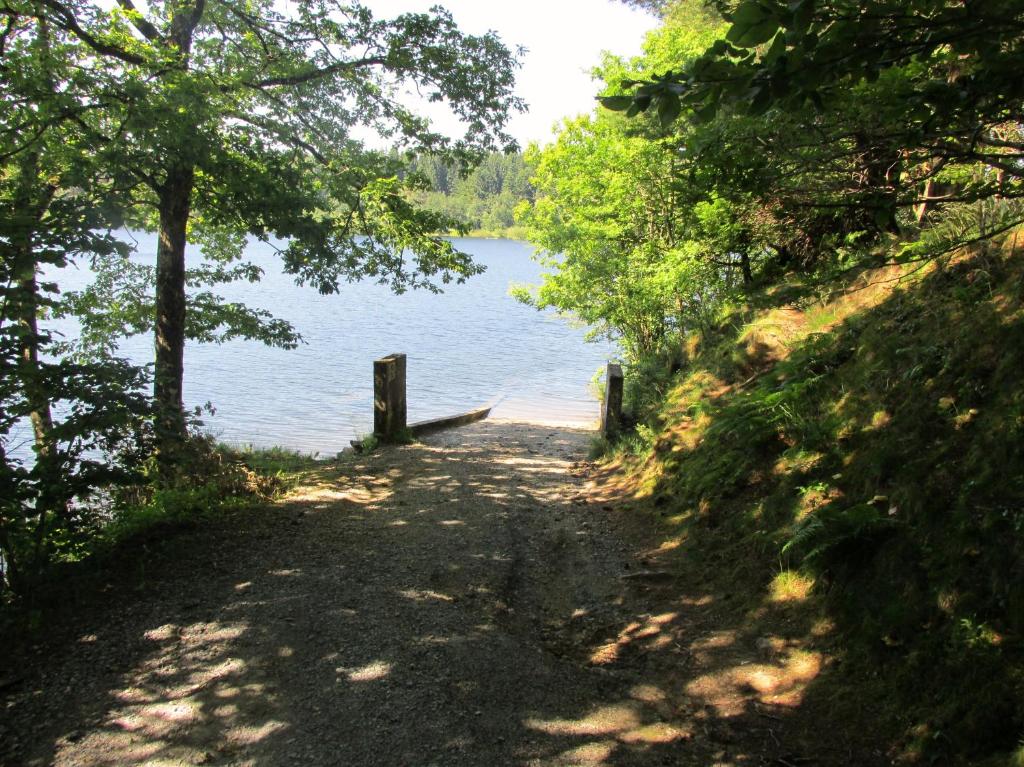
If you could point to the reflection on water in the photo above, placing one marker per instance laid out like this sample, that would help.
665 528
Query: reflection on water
470 346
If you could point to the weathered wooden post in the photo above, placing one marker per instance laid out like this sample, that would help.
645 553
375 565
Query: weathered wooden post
389 397
611 407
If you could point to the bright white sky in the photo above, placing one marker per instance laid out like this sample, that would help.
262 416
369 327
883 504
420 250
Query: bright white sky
564 40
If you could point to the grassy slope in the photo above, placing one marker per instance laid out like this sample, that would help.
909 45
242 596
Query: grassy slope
859 456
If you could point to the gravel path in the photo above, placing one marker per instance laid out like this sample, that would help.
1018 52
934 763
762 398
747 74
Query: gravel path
463 601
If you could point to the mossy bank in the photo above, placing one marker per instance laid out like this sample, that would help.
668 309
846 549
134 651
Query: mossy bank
849 455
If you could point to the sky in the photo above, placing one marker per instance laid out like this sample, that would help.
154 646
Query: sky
563 38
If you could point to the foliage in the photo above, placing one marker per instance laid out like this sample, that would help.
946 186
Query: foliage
652 6
95 439
849 424
136 516
904 91
637 245
85 422
209 123
604 269
368 443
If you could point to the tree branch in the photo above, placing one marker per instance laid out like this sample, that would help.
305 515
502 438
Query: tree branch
318 73
282 135
65 19
184 25
146 29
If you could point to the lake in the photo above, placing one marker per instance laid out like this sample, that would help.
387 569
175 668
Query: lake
470 346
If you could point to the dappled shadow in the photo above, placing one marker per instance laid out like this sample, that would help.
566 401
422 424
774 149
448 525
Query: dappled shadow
432 604
879 437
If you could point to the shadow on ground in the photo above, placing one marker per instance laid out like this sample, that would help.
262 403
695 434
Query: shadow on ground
465 601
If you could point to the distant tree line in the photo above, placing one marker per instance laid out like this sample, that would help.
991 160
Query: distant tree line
483 198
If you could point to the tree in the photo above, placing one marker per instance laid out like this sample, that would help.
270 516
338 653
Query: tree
235 117
53 206
656 7
631 236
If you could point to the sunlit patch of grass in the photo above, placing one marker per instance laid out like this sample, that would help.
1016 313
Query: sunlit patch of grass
790 586
691 389
799 460
880 419
812 497
1017 759
279 467
768 337
270 460
822 627
822 318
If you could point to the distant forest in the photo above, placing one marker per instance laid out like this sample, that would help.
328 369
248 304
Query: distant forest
485 199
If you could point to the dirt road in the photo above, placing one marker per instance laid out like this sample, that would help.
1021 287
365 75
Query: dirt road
464 601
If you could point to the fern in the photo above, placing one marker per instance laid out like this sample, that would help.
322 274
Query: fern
965 224
806 532
822 533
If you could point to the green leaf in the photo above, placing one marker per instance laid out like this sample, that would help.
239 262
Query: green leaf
778 48
616 103
752 25
749 14
706 113
668 109
803 14
761 100
756 35
719 48
735 32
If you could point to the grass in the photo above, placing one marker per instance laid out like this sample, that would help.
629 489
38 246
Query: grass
790 586
280 465
863 454
222 479
509 233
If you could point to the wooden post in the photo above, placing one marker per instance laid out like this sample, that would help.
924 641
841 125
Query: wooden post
611 408
389 397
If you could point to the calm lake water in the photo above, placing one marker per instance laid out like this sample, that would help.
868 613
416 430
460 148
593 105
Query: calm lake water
470 346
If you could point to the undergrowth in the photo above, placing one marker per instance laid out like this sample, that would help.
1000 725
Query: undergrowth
130 522
868 439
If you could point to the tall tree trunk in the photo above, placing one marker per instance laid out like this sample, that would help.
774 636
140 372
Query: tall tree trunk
52 498
33 198
32 201
175 201
748 275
